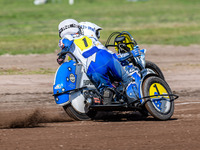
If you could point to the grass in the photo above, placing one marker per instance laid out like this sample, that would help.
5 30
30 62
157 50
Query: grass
26 28
20 71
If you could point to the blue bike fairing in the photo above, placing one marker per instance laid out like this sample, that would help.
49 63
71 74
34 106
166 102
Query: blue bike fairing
65 80
106 68
137 81
136 51
131 89
132 92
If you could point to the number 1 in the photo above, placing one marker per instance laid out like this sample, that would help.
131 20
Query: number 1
85 42
156 89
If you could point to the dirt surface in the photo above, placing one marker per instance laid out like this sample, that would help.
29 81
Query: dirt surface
26 101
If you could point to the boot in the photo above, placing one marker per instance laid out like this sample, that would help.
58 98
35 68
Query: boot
108 96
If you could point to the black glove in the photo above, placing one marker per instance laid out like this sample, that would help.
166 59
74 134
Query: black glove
60 60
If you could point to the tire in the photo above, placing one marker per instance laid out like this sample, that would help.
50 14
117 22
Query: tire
161 109
152 66
78 115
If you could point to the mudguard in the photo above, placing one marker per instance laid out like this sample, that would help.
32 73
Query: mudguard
70 76
65 80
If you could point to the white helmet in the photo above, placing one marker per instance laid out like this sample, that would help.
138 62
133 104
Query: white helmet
91 29
69 27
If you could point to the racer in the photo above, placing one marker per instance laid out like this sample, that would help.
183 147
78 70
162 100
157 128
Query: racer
92 31
100 66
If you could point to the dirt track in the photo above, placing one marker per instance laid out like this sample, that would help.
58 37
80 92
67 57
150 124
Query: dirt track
27 100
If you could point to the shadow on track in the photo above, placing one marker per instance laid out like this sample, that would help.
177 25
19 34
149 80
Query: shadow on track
123 116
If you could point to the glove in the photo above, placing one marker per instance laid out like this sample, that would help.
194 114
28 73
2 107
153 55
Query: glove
60 60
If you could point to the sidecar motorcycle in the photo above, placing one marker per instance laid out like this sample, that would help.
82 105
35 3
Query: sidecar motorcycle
81 100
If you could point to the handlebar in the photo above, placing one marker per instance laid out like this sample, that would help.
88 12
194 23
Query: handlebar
124 46
110 45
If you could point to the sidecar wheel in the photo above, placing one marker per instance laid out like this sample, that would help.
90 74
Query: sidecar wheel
78 115
152 66
160 107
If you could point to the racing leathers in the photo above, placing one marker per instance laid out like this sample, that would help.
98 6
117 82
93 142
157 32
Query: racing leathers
100 66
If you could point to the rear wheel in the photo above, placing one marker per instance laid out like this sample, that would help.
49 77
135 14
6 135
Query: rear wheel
152 66
160 107
77 115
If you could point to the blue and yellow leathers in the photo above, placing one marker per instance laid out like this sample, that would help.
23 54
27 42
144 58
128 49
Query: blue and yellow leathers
100 66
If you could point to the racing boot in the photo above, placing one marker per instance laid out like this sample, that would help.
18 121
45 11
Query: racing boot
108 96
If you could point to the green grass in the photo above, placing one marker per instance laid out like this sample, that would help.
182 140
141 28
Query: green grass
17 71
26 28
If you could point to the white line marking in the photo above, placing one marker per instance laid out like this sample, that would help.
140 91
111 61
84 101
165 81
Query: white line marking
187 103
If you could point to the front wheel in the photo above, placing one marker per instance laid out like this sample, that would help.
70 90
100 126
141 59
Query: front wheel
160 106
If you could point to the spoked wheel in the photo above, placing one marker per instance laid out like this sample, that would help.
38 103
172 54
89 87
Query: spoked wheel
161 106
153 67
